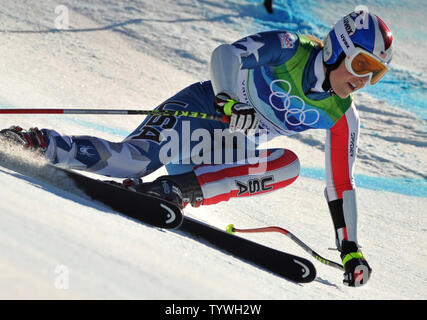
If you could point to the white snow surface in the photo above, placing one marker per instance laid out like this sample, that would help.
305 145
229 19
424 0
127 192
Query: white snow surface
134 55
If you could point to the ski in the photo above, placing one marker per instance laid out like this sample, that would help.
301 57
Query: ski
281 263
160 213
143 207
163 214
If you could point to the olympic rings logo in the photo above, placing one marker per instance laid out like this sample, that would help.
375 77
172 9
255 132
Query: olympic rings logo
295 109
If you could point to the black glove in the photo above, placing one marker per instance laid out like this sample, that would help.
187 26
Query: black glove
243 117
33 139
357 270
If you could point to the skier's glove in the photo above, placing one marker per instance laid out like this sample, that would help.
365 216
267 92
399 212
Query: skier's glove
357 270
243 117
33 139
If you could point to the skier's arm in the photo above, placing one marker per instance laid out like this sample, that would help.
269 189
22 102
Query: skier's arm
341 148
340 156
264 49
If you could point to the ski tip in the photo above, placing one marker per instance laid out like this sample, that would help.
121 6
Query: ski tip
173 216
308 271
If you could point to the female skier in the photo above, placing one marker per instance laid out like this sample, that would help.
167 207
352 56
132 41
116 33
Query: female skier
271 83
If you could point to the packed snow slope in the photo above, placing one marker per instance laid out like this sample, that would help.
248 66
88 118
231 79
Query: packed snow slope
134 55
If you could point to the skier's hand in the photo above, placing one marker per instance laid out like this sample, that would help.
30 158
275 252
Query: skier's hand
357 270
243 117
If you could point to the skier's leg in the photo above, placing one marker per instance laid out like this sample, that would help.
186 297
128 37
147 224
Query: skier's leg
93 154
210 184
277 169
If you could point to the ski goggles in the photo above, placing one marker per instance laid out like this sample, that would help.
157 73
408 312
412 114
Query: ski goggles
362 63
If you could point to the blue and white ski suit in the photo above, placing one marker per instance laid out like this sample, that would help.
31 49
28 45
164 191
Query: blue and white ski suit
280 74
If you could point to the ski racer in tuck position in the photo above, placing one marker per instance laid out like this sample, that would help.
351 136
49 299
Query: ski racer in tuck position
269 84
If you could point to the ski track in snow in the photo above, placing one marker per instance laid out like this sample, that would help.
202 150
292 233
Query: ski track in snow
135 55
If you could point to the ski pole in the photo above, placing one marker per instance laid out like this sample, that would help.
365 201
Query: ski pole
231 229
178 113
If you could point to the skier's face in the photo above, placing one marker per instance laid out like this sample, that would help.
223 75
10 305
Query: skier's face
343 82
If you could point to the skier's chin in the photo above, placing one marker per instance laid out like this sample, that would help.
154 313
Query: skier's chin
342 95
342 92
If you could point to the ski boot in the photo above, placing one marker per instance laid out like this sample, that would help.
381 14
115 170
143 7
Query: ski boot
179 189
33 139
